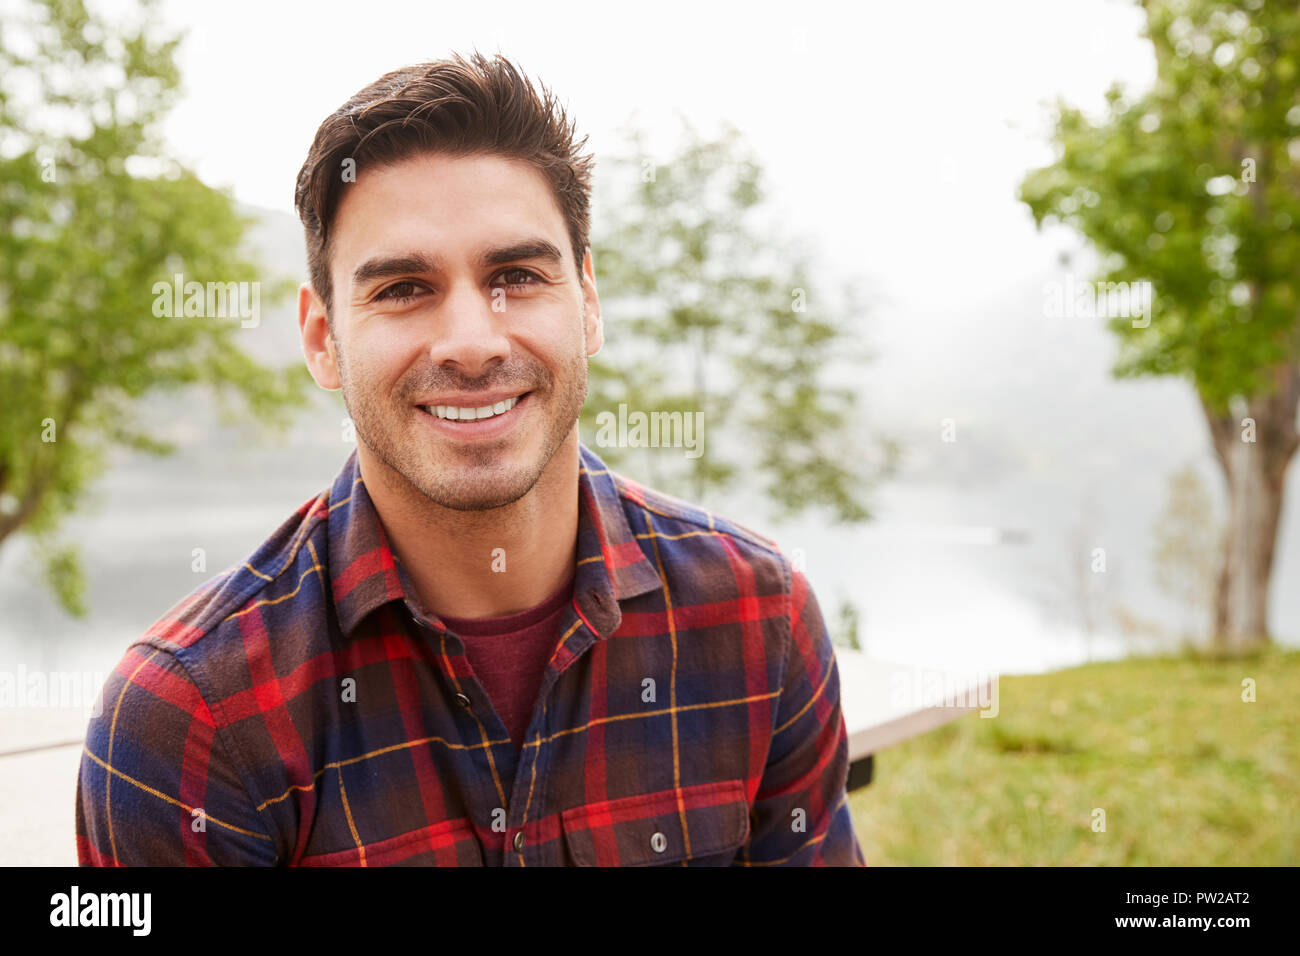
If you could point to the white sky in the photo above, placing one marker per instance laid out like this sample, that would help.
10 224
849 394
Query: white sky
893 134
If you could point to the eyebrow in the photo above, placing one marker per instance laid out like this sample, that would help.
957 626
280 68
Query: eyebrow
384 267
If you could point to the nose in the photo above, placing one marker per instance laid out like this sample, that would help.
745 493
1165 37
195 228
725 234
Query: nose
466 332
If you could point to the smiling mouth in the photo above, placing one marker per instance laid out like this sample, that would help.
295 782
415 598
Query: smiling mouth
453 413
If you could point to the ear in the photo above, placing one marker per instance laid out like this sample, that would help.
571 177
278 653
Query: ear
595 329
317 340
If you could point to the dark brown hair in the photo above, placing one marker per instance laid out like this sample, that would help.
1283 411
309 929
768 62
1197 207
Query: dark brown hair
451 106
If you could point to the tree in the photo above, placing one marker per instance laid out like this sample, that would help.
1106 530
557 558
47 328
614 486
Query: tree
96 220
710 314
1186 539
1085 566
848 633
1194 187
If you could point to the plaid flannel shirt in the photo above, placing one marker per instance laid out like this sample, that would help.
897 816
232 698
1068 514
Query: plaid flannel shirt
298 710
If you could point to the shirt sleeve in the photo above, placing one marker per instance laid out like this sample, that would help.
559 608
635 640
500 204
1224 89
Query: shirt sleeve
800 814
157 786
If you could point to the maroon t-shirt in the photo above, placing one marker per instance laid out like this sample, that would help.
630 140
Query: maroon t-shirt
509 655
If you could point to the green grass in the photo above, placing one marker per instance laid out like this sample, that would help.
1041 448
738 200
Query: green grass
1187 773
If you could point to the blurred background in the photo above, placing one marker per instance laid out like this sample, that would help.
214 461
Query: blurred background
864 241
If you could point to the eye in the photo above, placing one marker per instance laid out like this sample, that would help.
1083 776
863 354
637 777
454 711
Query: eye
518 272
398 292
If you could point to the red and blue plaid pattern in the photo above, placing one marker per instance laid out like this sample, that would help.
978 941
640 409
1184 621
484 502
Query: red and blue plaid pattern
297 710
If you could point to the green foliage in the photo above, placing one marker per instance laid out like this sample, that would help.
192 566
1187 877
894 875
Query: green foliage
847 633
707 310
94 213
1195 187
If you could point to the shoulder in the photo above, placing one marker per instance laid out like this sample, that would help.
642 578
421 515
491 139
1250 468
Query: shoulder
208 621
678 531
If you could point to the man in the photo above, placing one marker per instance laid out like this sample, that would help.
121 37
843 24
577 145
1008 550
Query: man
480 646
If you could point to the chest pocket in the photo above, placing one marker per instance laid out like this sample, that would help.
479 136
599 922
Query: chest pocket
447 843
647 830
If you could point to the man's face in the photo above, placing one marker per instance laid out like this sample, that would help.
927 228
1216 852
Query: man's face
455 287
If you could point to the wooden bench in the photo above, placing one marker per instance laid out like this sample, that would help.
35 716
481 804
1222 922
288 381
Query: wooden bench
885 703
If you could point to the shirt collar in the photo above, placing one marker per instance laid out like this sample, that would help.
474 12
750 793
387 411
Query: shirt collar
611 567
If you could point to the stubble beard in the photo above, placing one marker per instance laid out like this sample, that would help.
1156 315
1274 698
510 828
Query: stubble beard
470 478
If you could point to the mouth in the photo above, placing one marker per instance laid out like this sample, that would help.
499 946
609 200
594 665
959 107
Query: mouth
483 421
453 413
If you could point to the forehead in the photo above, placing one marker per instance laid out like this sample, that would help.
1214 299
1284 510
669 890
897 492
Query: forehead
443 204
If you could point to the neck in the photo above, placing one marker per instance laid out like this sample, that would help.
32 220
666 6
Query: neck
481 564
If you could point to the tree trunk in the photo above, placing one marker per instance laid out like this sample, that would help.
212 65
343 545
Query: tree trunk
26 507
1255 472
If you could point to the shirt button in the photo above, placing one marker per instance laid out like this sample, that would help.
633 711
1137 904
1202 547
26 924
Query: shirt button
519 839
462 700
658 843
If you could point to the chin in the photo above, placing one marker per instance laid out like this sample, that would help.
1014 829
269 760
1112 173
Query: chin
469 487
477 498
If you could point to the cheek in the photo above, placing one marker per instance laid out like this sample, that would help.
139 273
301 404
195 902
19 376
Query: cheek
376 362
566 340
569 365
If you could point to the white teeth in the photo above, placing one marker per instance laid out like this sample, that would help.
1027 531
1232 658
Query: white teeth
454 413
